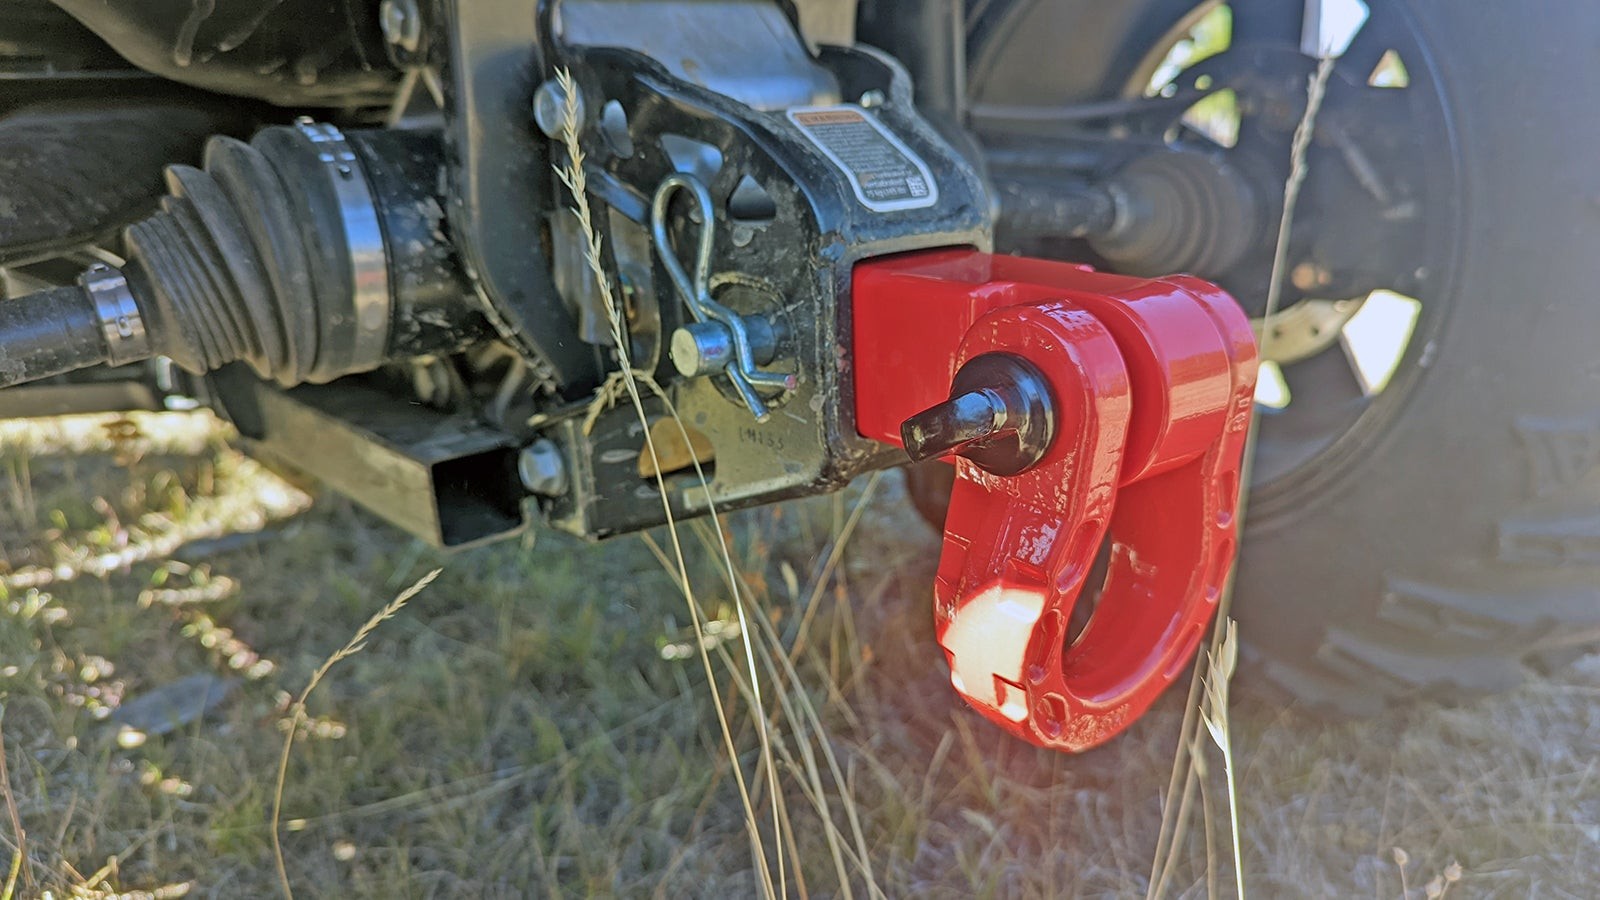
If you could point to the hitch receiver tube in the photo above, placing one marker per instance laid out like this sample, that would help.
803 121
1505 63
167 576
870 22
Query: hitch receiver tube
443 478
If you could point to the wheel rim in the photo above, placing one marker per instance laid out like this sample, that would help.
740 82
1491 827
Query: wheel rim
1343 365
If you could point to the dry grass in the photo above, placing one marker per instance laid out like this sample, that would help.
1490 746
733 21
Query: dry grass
528 725
571 172
1207 703
297 711
776 694
533 729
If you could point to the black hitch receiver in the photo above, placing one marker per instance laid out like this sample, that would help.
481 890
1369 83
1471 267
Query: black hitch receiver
790 218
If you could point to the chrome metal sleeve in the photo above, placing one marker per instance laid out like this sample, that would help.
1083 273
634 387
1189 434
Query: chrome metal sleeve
121 324
369 263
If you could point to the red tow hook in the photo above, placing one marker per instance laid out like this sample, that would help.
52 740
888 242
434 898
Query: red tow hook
1077 404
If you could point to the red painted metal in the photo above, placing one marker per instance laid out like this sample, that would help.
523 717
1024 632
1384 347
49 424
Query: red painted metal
1153 383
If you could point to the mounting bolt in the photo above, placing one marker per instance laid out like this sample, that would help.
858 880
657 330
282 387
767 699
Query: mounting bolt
550 108
1000 415
542 469
401 24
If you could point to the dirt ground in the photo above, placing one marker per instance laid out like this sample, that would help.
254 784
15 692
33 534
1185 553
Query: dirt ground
537 722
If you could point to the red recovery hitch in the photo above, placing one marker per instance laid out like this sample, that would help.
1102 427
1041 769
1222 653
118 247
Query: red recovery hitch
1076 404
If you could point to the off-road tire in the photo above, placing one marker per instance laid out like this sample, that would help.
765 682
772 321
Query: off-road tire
1461 551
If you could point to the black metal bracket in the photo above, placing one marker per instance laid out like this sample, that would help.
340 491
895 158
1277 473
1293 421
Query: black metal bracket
793 267
499 184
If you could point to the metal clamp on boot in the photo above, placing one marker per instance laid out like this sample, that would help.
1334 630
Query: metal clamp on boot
121 325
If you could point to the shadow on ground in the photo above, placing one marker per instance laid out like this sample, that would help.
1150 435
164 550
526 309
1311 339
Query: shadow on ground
537 721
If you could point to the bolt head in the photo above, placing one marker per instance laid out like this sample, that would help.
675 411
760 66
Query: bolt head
542 469
550 108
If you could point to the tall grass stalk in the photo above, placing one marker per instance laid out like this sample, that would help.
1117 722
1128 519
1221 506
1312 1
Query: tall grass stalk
297 712
21 850
810 722
572 175
805 728
1175 816
1220 665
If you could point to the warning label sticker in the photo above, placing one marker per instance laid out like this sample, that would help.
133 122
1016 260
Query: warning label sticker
884 172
